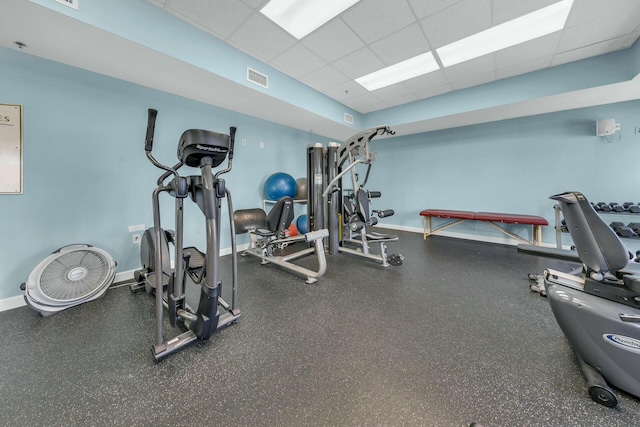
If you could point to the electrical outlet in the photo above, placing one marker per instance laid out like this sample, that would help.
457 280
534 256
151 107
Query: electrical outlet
244 142
261 144
136 239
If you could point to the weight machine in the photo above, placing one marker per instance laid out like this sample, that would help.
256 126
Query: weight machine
346 211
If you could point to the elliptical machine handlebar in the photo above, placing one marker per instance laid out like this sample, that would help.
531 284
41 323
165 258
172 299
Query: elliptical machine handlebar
151 126
148 146
232 139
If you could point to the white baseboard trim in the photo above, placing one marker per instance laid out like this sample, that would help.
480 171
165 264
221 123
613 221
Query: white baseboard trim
12 302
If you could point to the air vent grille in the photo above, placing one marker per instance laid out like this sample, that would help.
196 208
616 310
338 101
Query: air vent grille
348 118
257 78
73 4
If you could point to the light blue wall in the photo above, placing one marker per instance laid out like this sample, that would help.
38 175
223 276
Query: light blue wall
86 178
510 166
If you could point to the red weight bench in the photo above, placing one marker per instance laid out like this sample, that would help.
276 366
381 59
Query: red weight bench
491 218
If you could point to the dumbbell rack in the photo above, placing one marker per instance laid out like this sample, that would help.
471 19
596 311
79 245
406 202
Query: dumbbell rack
626 209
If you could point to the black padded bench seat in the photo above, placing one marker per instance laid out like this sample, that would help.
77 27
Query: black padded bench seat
491 218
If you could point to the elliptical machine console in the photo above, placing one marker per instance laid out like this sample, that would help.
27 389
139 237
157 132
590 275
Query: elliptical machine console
205 150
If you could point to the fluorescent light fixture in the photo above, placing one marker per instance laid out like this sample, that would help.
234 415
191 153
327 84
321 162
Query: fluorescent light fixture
527 27
405 70
300 17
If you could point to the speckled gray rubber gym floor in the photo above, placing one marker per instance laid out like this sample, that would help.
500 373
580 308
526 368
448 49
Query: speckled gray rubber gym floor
452 336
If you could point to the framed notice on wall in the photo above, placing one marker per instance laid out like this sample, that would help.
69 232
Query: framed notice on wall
10 149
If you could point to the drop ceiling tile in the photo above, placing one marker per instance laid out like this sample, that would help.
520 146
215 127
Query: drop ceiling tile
404 44
391 92
298 61
372 20
524 68
457 22
587 34
258 4
481 65
262 38
347 90
401 100
218 17
422 8
506 10
365 103
606 13
359 63
333 41
528 51
589 51
420 83
325 78
433 91
476 80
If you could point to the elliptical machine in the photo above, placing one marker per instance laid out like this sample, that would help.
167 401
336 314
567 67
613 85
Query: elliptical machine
205 150
597 307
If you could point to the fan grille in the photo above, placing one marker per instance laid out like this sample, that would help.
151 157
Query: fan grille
74 275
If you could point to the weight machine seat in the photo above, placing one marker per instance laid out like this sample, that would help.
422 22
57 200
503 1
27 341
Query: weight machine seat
256 220
380 237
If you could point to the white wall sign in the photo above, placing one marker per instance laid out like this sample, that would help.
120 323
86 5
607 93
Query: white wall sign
10 149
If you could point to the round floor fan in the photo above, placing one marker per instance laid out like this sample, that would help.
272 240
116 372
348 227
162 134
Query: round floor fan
70 276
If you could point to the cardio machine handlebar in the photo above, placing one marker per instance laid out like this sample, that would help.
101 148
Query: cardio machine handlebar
232 138
151 125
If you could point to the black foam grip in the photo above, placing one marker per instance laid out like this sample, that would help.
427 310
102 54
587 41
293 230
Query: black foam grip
232 138
385 213
151 125
374 194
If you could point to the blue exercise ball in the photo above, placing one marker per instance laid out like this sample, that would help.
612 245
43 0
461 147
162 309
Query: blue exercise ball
303 224
280 185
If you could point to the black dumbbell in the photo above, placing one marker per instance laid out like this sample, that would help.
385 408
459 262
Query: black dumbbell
621 229
604 207
616 207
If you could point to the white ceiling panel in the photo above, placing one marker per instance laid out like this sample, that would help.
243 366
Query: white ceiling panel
457 22
587 34
372 20
218 17
523 68
420 83
476 80
433 91
298 61
325 78
333 41
424 8
528 51
464 70
261 38
359 63
589 51
604 13
404 44
506 10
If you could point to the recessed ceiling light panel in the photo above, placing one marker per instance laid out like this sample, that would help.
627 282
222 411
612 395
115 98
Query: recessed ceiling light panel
527 27
405 70
299 18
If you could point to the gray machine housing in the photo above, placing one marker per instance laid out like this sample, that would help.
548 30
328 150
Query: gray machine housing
598 309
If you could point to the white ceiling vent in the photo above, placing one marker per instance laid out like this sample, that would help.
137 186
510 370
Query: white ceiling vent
257 78
73 4
348 118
